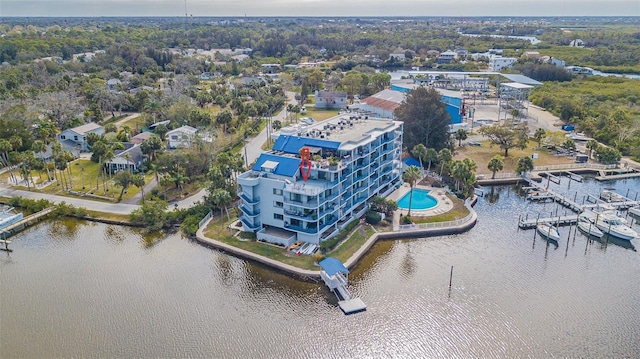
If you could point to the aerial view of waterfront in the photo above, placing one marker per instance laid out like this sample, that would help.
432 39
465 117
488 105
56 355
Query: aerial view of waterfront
81 289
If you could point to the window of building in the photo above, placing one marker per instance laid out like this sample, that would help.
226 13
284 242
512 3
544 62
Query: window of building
278 216
277 204
277 192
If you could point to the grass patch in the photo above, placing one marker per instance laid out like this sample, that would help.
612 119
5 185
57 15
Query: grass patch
320 114
108 216
353 243
136 124
459 211
481 155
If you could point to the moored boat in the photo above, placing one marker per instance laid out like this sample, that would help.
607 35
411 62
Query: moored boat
586 225
548 231
635 211
612 224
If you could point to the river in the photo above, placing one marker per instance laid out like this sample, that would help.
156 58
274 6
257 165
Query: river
81 289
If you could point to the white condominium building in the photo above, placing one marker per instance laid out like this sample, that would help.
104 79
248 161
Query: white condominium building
318 178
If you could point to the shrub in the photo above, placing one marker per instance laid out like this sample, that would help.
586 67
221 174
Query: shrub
373 217
406 220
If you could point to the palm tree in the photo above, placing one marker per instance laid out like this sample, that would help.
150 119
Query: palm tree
138 181
221 199
411 175
495 164
39 146
460 135
592 145
5 148
420 151
123 179
431 156
444 157
539 135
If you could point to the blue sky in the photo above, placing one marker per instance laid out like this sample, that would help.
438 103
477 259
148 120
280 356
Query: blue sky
320 7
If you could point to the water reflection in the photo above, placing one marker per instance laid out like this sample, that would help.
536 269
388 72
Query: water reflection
73 286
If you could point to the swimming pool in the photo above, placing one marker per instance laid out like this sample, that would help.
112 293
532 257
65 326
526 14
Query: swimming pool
421 200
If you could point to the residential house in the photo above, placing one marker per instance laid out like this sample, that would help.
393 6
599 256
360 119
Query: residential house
397 57
285 198
141 137
446 57
129 159
75 139
531 55
461 53
331 99
497 63
270 68
576 43
182 137
113 85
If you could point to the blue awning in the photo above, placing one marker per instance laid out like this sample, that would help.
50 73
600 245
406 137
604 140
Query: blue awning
332 266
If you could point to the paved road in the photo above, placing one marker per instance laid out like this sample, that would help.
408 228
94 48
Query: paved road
118 208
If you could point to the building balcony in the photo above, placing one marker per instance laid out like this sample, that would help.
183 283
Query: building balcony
291 227
247 199
249 179
300 215
249 212
249 224
300 203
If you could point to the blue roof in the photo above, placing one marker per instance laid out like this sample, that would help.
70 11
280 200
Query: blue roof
332 266
287 166
293 144
412 162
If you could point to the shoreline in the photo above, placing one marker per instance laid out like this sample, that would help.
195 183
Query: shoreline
310 275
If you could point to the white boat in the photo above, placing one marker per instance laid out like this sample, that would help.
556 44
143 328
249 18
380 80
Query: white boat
548 231
635 211
612 224
610 196
588 226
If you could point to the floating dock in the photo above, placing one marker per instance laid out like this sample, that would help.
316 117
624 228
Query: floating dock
335 276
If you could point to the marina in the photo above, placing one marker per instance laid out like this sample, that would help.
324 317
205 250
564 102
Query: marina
537 192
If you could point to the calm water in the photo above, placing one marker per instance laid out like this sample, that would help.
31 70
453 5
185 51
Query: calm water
420 200
79 289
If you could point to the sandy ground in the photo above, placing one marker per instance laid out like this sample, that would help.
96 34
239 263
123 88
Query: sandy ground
536 116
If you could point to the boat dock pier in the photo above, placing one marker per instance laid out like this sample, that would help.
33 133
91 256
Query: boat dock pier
13 228
615 174
335 276
538 193
528 223
541 192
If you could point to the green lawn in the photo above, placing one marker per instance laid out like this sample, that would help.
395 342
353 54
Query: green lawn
319 115
85 178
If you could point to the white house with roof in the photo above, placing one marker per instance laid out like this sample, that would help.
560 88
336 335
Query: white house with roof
497 63
75 139
182 137
285 198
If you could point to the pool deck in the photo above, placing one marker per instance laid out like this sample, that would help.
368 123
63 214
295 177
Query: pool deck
443 205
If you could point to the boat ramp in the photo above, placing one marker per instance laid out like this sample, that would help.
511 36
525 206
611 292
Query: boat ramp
335 276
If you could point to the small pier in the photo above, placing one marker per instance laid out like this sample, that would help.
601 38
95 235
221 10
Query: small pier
12 228
541 192
574 177
335 276
607 175
528 223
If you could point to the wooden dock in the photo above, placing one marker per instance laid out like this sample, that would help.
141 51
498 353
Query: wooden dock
547 193
604 176
528 223
11 229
